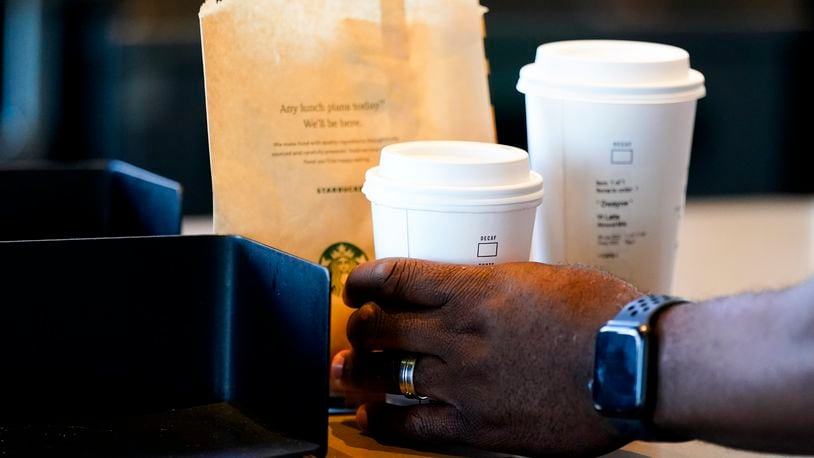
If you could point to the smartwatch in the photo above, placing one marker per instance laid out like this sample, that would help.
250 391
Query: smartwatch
624 378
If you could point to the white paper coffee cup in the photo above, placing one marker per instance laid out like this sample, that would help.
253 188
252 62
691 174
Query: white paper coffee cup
456 202
610 127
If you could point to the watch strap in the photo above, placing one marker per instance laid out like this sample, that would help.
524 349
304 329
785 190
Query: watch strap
644 309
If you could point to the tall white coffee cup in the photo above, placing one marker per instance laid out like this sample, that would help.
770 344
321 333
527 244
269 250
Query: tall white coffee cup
457 202
610 127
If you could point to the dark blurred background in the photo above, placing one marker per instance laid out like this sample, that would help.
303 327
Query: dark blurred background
123 79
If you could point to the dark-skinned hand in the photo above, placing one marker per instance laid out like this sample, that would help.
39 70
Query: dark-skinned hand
505 352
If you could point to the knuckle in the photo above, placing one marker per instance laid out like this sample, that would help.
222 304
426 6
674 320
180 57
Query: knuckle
364 325
384 270
419 425
442 424
455 427
391 274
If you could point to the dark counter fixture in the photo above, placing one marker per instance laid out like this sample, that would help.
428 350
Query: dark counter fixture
97 199
164 346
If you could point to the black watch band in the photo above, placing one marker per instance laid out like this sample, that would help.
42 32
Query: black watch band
643 311
624 385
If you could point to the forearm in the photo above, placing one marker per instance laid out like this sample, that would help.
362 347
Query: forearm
739 371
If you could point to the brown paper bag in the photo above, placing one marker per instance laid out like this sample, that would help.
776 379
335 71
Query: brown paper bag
303 94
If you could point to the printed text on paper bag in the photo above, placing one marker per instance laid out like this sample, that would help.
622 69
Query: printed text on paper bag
339 115
334 132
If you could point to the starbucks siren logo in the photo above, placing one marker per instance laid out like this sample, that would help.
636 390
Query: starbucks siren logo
341 259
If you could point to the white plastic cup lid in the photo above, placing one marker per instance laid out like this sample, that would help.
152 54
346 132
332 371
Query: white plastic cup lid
437 175
612 71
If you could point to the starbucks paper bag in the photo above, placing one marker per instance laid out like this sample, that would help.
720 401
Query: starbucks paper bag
301 97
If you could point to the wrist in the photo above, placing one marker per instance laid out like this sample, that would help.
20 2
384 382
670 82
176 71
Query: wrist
668 407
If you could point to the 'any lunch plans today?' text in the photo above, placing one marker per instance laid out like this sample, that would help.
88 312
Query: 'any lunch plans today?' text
342 118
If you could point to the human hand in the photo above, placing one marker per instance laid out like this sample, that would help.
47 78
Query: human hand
505 351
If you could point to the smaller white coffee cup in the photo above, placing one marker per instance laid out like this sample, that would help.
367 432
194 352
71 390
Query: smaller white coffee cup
456 202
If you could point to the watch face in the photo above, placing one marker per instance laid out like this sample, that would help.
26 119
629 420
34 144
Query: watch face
618 385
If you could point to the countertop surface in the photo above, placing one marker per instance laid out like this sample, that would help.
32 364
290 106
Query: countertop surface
726 246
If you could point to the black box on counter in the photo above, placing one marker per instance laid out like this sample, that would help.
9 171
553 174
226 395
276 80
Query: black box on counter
162 346
98 199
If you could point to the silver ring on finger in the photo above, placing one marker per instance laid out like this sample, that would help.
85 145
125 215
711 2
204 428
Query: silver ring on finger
407 378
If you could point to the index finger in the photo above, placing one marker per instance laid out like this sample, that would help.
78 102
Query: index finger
410 283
